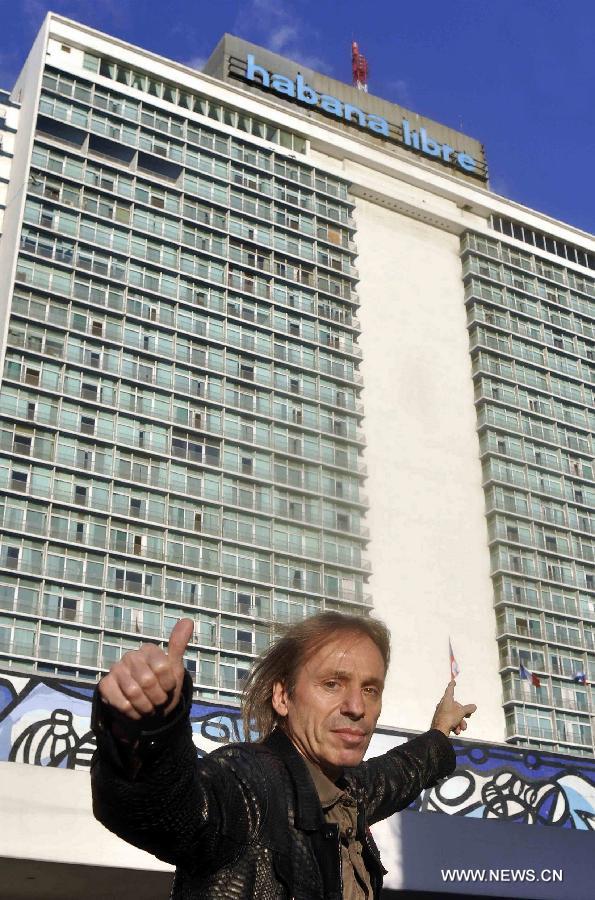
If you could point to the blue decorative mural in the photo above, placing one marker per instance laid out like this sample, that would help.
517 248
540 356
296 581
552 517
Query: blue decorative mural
45 722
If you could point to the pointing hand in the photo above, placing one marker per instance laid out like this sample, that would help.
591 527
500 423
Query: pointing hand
450 715
148 678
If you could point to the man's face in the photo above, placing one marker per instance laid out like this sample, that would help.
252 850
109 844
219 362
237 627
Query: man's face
332 713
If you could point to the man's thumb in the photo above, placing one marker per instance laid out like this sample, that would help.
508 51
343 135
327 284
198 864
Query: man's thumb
179 639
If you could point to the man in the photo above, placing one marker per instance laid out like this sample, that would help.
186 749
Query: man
287 816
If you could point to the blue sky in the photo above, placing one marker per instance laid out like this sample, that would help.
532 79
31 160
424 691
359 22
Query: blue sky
519 75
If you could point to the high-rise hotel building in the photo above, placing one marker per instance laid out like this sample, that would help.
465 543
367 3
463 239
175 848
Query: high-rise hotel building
271 346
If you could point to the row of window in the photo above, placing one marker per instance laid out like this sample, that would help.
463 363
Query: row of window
558 340
534 535
220 211
507 299
95 609
555 692
534 565
550 432
522 375
66 645
552 661
537 481
85 567
540 510
139 276
147 194
171 545
539 724
507 278
167 375
546 627
161 475
137 616
530 262
170 93
541 596
121 395
62 282
188 321
195 449
98 294
123 135
25 404
254 464
544 241
562 413
546 357
87 171
122 239
536 454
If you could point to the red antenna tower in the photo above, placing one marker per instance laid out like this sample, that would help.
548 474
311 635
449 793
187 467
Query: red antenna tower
359 65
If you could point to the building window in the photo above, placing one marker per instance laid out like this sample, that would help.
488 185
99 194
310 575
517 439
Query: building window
11 557
22 444
18 481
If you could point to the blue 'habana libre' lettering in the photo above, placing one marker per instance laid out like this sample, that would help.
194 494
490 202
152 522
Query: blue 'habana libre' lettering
304 93
283 85
421 141
332 105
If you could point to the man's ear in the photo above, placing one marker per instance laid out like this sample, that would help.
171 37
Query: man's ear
280 698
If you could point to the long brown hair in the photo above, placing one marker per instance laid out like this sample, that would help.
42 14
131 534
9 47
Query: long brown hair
283 660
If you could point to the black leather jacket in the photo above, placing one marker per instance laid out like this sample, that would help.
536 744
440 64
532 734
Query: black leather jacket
245 822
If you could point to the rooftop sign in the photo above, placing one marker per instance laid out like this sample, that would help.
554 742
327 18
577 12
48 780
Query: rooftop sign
306 95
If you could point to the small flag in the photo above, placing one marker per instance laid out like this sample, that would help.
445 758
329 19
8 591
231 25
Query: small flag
454 666
580 678
529 676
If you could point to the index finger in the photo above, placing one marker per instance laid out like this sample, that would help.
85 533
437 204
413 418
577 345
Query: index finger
450 689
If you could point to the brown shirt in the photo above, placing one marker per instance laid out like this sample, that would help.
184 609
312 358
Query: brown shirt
340 808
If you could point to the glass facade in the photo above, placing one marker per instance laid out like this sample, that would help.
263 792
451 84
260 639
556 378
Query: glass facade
532 345
180 413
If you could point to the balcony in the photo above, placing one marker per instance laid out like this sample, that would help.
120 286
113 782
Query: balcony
534 696
516 730
241 646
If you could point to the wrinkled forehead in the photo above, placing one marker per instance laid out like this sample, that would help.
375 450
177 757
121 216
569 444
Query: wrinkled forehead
344 652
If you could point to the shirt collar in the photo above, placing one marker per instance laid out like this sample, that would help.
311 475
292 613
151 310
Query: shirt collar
328 792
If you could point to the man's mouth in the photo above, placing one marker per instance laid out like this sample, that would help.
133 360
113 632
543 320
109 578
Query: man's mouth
351 735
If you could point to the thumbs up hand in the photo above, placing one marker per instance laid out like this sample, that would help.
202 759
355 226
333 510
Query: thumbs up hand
149 678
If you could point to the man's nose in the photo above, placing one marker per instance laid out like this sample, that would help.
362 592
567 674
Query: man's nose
353 704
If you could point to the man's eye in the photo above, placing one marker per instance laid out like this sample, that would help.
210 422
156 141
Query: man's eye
372 691
331 684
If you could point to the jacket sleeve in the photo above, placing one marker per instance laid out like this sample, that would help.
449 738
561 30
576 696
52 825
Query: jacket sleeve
197 813
392 781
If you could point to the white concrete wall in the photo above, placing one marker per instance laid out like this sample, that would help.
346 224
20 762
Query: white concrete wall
428 547
47 815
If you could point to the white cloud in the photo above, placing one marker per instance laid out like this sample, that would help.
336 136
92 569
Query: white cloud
280 28
500 185
398 91
196 62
